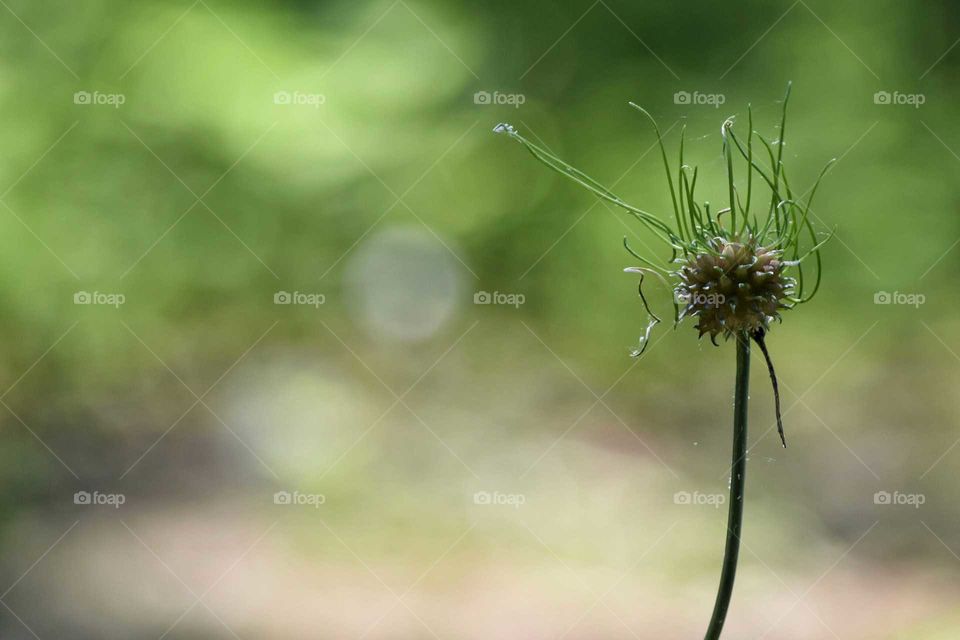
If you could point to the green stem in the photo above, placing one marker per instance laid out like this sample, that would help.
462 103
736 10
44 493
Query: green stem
737 481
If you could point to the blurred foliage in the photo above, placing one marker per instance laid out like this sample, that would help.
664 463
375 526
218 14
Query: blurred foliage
200 197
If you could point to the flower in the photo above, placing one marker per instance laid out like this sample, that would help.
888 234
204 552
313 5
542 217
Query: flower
735 275
743 259
740 286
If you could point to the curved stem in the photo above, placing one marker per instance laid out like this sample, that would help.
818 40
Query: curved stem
737 480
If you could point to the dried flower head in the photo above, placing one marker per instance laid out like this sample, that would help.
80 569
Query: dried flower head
735 269
740 287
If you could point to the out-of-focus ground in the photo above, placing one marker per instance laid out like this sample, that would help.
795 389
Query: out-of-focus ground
298 422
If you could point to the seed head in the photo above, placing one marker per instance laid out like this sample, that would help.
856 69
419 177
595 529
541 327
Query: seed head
732 274
733 262
736 286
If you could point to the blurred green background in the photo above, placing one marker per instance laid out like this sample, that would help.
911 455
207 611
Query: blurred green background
452 469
